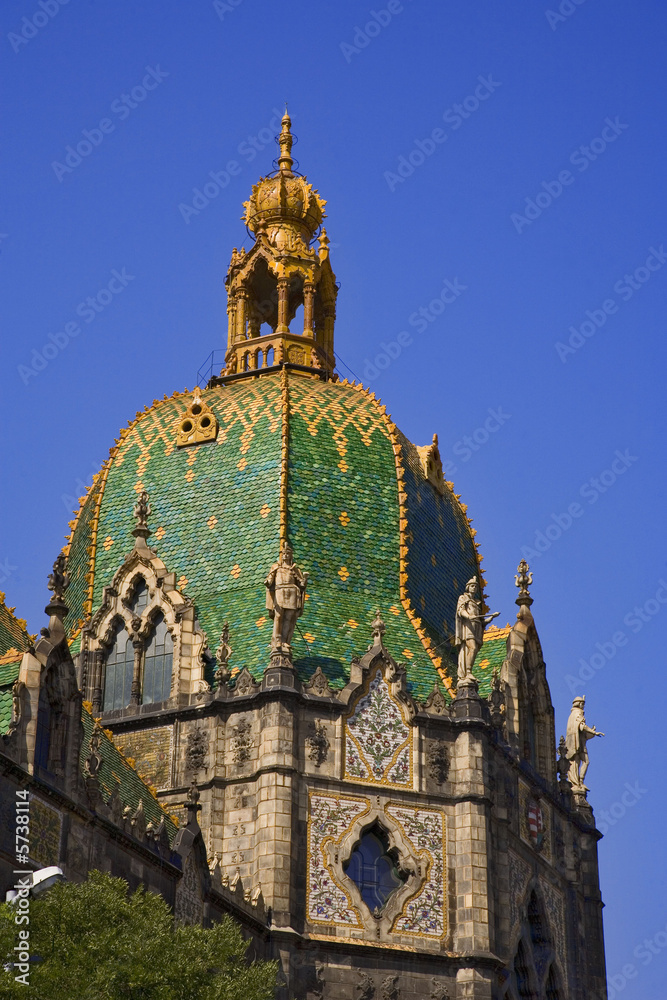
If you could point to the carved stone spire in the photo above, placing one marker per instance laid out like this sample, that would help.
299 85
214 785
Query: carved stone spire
523 581
142 511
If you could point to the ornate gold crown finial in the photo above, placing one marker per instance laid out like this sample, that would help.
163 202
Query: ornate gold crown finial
285 141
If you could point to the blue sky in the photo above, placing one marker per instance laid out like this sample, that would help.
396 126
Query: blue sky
511 151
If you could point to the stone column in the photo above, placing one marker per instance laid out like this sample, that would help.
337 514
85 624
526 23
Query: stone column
308 306
135 696
241 304
283 305
231 321
97 658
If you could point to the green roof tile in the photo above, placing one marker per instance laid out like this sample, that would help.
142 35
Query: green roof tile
216 524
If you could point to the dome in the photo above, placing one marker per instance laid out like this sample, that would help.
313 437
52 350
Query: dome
293 456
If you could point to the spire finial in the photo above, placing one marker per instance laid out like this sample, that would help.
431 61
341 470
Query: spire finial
378 627
285 140
523 581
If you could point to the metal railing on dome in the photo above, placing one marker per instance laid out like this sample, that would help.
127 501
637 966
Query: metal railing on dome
210 368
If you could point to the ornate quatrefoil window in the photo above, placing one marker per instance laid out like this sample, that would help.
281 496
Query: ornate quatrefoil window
374 869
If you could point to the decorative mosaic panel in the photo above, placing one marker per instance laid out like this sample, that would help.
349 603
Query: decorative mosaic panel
45 827
425 913
520 873
189 906
377 739
330 819
151 751
555 906
534 821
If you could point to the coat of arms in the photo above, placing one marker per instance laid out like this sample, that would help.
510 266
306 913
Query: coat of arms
536 824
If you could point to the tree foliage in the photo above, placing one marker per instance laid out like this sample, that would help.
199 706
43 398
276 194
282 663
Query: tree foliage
93 941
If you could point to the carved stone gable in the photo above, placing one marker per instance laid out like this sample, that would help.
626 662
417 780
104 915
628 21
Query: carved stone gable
378 740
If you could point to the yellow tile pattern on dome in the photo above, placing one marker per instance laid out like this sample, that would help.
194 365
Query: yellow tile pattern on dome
354 567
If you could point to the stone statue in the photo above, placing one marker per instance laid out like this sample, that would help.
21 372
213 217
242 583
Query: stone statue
59 578
470 624
577 736
285 596
222 655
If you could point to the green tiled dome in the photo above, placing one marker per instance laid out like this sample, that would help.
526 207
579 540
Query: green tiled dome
362 519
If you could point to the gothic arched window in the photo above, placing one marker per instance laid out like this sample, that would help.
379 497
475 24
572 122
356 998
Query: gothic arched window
119 669
158 663
524 975
373 869
533 958
139 598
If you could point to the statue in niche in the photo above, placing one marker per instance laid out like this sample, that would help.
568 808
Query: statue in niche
577 736
470 625
285 598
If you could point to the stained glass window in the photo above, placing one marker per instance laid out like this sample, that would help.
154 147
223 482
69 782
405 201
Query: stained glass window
119 669
158 664
373 870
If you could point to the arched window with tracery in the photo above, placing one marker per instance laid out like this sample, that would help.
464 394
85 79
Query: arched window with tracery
533 974
158 664
118 673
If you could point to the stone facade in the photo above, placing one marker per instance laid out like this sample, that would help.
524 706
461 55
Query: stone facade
503 890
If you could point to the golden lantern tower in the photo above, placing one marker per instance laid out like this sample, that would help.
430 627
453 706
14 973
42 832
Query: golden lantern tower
282 272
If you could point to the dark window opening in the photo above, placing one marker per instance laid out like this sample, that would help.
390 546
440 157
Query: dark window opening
119 670
552 991
374 869
139 599
158 664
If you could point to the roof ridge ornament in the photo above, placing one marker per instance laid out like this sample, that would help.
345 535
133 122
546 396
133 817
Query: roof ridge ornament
523 580
379 629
